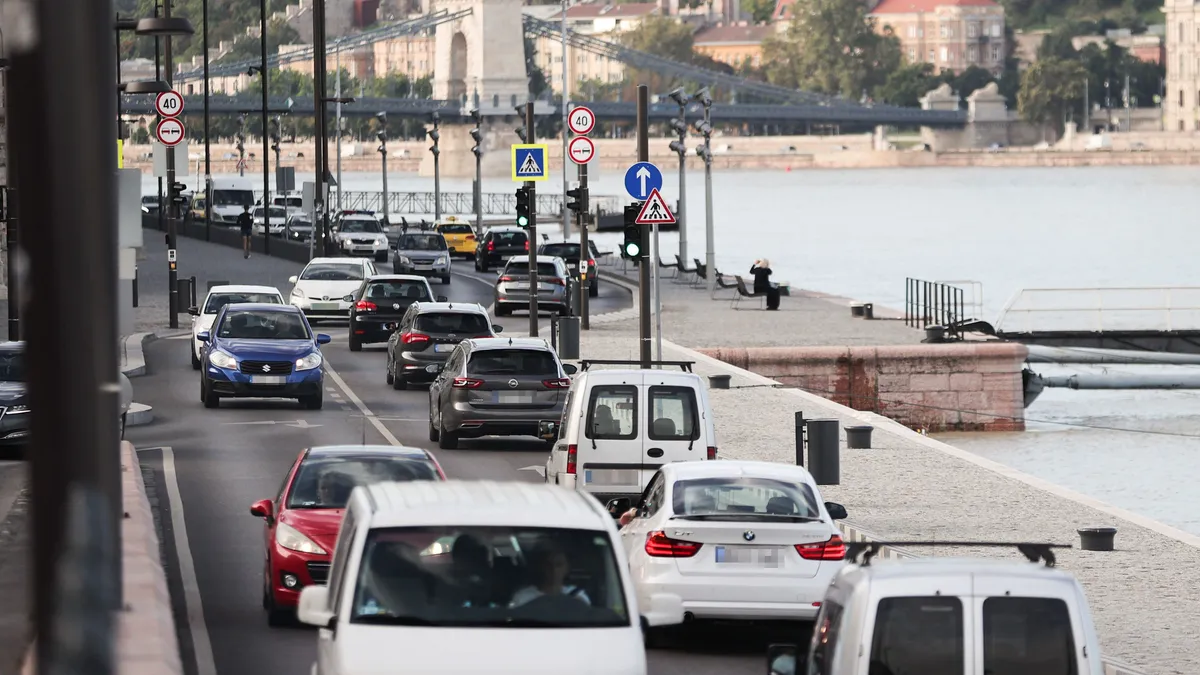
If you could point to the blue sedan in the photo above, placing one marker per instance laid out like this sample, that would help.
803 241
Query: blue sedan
262 351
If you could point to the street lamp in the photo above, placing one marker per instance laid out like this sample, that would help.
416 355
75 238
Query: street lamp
382 136
704 128
241 145
477 136
679 124
266 200
437 172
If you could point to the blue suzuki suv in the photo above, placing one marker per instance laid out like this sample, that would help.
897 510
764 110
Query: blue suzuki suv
261 351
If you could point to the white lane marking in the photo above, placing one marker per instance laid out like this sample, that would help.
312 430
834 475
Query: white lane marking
484 282
205 665
362 407
298 424
185 336
541 470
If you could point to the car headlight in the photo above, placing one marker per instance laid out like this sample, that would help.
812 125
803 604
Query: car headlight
297 293
291 539
403 259
309 362
442 260
145 210
17 409
381 240
222 360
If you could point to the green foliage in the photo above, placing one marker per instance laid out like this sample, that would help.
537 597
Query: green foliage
760 11
1106 14
669 39
907 84
228 20
1050 90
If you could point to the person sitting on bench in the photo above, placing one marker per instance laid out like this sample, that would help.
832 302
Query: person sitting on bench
761 269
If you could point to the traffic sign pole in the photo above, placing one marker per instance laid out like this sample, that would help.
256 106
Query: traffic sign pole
532 233
643 155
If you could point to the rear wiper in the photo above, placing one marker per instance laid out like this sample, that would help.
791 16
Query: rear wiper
748 516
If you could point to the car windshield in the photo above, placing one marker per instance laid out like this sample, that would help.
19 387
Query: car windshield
325 482
742 496
457 228
297 224
460 323
490 577
276 212
289 201
233 198
422 242
509 238
361 226
259 324
521 268
150 199
332 272
409 290
564 251
12 365
218 300
512 362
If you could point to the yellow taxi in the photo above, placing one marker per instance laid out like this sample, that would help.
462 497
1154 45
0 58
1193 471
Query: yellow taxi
460 236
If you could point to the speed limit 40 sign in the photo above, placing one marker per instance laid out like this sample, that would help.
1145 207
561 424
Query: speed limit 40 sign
168 104
581 120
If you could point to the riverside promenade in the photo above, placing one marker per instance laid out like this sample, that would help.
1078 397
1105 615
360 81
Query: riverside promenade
911 487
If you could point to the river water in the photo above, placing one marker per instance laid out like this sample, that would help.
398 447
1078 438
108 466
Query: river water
860 233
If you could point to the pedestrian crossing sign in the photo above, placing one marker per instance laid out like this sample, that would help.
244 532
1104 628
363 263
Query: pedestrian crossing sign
529 163
655 211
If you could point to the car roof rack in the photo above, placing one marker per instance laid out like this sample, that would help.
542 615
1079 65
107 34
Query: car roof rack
1033 551
685 366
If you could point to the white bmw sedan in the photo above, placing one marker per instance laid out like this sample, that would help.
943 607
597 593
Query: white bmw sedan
735 540
218 297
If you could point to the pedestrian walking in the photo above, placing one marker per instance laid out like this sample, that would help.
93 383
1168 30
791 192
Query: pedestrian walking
761 269
245 222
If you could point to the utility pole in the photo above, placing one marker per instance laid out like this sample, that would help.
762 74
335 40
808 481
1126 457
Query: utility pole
680 148
208 192
477 136
321 166
337 123
566 214
162 207
172 235
584 255
436 136
643 155
531 187
241 145
8 214
705 152
262 17
382 136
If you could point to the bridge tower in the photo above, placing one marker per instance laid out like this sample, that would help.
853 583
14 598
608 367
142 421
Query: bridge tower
480 63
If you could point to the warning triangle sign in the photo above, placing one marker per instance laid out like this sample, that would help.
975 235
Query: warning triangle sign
529 167
655 211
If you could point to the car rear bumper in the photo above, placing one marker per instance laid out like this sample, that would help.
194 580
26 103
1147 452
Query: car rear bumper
470 422
305 568
738 597
521 297
374 329
413 364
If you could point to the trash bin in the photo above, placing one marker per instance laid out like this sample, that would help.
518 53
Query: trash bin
859 437
857 309
568 337
1097 538
869 310
719 381
935 334
824 459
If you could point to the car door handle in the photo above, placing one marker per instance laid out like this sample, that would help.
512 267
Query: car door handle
655 452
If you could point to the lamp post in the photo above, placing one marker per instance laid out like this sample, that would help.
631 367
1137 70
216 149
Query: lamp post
241 145
477 136
705 152
382 136
680 126
167 27
266 199
207 132
437 171
276 139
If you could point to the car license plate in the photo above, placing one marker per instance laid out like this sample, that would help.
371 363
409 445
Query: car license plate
762 556
363 249
518 287
268 379
612 476
444 348
324 305
514 397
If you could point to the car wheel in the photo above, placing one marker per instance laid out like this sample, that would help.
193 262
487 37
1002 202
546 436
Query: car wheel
276 616
399 383
195 360
434 435
447 440
483 266
313 402
210 398
446 280
390 377
656 637
501 310
594 289
396 269
381 257
355 343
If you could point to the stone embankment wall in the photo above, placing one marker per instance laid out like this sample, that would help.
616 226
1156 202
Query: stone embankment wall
950 387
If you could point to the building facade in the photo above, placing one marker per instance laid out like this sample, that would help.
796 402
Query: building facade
1181 105
949 34
411 55
597 19
734 45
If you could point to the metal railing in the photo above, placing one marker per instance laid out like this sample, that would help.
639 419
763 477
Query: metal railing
930 303
461 203
1147 308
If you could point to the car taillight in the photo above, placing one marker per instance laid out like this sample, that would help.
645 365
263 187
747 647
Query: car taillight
467 383
562 383
506 278
572 454
834 549
491 246
527 245
556 281
364 306
659 545
712 452
591 263
480 337
469 237
410 338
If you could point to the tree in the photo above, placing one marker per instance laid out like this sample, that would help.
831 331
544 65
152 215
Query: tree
1050 89
831 47
668 39
906 85
760 11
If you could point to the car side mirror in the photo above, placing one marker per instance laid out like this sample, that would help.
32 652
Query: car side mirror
313 608
348 298
263 509
665 609
194 311
836 511
293 279
781 660
323 339
442 298
570 368
548 430
618 506
203 336
497 329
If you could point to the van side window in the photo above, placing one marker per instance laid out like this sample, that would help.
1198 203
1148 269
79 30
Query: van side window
341 551
673 414
1027 635
824 640
612 412
918 635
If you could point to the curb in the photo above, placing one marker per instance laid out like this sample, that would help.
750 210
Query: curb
139 414
133 349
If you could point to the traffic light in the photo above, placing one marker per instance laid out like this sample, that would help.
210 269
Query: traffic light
523 211
631 248
177 190
577 199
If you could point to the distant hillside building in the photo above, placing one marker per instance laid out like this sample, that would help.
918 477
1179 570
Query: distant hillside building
950 34
1147 47
734 45
601 20
1181 105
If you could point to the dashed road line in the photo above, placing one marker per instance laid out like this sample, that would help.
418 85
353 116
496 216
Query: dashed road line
362 407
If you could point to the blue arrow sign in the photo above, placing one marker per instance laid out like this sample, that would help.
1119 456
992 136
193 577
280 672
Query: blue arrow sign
641 179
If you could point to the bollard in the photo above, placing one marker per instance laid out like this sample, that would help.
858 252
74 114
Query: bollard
856 309
135 286
800 438
719 381
859 437
935 334
185 290
568 338
824 462
192 284
554 332
869 311
1097 538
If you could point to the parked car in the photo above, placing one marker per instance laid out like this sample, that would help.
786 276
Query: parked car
427 334
424 253
569 252
498 245
512 285
379 305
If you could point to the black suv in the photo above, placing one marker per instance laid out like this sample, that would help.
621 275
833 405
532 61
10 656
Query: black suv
569 252
378 306
500 244
427 334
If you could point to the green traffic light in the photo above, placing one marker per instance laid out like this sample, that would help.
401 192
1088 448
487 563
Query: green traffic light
632 250
522 221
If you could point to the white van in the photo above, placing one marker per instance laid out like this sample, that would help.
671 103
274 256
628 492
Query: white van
456 577
229 196
946 615
619 426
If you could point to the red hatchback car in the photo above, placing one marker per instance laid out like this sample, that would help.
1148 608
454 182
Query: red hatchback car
302 521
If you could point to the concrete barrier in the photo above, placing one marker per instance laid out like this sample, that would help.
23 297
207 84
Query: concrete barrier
232 237
936 387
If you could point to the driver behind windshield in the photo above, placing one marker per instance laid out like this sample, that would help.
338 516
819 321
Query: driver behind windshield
470 572
333 490
550 567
